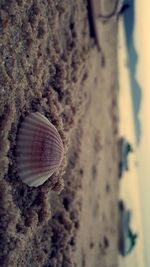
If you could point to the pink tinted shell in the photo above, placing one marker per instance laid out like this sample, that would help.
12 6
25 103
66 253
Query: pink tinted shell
39 149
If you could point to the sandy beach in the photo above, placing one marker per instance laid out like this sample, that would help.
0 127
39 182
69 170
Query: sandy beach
50 63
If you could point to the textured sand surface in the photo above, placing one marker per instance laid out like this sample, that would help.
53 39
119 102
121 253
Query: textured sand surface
50 64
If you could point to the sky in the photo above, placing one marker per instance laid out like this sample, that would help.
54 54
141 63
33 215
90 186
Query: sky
129 187
137 56
142 42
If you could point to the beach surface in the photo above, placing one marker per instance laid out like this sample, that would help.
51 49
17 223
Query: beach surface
51 63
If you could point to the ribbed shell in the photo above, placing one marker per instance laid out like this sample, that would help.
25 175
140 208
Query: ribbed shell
39 150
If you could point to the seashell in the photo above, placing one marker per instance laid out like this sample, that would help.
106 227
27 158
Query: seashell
39 150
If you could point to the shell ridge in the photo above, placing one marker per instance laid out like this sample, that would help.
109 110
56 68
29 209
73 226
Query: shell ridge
47 145
38 139
36 118
32 175
25 132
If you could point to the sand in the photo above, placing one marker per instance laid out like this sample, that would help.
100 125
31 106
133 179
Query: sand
50 63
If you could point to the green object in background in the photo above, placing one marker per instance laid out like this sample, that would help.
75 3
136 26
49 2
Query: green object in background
132 237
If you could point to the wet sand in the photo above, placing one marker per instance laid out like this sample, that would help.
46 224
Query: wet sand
49 63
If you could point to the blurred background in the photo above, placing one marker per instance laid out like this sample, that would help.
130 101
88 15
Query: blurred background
134 108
